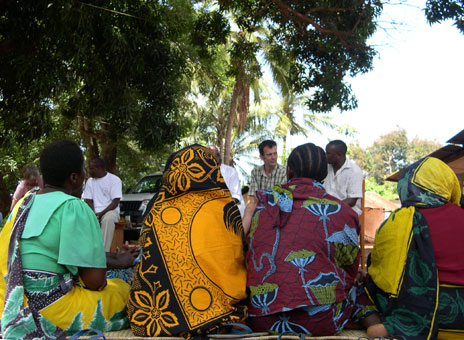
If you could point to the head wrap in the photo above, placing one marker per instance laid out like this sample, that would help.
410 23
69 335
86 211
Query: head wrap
429 183
308 160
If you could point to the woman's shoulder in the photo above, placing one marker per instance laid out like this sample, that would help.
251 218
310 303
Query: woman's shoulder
55 201
76 203
56 198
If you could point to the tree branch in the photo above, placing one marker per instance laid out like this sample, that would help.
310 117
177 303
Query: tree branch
303 21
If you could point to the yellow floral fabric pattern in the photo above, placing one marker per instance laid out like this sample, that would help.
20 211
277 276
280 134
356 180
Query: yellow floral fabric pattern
192 275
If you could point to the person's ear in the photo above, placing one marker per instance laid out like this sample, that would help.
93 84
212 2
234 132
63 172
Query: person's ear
73 178
262 157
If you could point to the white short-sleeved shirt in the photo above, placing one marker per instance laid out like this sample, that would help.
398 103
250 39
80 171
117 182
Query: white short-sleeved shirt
103 191
230 176
346 183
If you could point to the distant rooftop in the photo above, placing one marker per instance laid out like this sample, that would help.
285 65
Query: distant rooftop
458 139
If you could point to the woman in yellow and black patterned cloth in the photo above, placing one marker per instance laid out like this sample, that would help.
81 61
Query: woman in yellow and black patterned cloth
191 278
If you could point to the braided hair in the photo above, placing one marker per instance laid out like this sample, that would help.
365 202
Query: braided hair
308 160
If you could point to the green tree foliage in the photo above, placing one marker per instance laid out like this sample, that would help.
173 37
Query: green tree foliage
110 75
386 190
114 70
437 11
308 47
117 76
388 154
418 148
326 42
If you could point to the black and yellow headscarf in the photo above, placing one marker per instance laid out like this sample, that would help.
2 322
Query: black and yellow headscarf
429 183
192 275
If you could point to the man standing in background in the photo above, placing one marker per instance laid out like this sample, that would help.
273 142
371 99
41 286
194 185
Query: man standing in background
270 173
102 193
344 178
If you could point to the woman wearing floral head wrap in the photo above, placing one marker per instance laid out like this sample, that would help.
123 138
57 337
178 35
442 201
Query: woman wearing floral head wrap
191 276
303 254
416 268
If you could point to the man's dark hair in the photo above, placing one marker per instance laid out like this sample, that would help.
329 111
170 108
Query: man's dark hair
339 145
59 160
99 163
266 143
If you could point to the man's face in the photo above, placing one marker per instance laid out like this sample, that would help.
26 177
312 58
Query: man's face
332 154
95 171
269 156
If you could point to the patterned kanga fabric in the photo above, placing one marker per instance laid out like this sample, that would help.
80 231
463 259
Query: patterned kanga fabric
191 277
302 261
43 305
404 278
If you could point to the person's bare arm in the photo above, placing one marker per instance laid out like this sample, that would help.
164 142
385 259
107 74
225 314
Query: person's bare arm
93 278
113 205
248 215
350 201
13 203
90 203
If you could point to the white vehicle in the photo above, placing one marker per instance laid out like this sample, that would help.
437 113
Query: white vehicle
134 203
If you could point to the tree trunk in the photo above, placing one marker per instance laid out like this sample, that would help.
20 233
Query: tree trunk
108 154
89 139
284 148
5 199
220 132
230 122
99 144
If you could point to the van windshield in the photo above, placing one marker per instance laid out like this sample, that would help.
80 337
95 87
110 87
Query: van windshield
148 184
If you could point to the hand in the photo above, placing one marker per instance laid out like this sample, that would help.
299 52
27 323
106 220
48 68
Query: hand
99 215
125 256
251 206
125 248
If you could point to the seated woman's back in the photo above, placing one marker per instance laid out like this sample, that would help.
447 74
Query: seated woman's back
304 244
60 235
303 254
416 261
192 271
446 227
52 259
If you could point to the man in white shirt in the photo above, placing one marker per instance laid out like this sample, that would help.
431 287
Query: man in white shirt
102 193
230 176
344 178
